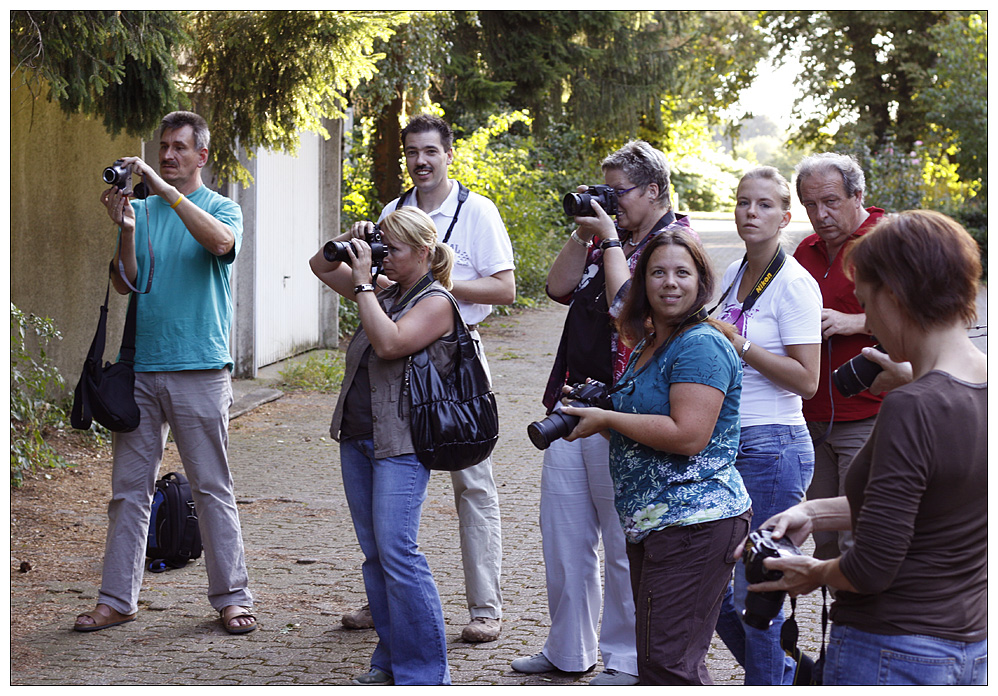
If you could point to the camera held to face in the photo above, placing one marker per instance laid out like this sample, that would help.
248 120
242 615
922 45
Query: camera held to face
856 375
580 204
120 176
762 607
337 251
559 424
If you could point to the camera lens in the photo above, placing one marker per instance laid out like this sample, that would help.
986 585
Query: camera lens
336 251
110 175
554 427
761 608
578 205
856 375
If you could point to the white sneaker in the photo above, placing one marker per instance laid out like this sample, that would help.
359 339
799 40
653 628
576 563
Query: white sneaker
533 665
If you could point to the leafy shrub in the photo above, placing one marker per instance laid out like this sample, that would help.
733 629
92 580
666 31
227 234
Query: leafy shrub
32 382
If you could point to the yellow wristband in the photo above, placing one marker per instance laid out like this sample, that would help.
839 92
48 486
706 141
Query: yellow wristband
174 206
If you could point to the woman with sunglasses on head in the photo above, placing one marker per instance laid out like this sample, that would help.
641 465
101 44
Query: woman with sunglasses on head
775 306
384 482
911 593
673 437
577 507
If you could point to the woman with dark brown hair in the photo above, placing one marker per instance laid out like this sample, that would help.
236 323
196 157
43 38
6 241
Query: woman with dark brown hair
911 593
673 439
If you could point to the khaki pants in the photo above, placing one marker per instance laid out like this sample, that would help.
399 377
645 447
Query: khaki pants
195 405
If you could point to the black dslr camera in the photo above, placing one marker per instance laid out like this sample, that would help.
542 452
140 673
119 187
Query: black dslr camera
559 424
762 607
337 251
579 204
856 375
120 176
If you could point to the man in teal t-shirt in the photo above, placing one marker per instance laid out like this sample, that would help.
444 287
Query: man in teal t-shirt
182 371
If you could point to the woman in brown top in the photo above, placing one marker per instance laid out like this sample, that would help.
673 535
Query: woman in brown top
911 595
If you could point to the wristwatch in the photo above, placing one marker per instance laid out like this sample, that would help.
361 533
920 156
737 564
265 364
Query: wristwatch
365 287
744 350
607 243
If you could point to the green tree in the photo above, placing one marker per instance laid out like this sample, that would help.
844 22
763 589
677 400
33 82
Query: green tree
956 102
261 78
864 69
115 65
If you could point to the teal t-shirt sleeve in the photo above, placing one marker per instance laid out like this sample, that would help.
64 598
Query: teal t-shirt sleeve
703 358
229 213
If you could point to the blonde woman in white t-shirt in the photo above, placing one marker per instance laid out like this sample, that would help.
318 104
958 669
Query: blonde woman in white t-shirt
775 306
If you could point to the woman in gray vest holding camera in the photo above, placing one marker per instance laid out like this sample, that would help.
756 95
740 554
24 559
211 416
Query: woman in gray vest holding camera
385 483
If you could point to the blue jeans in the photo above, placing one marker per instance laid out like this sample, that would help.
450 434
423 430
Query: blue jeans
856 657
386 498
776 463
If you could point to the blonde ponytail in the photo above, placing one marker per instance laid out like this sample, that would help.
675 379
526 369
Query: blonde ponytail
441 264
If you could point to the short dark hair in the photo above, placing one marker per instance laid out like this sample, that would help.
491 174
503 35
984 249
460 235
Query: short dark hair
927 260
853 179
424 123
179 119
631 323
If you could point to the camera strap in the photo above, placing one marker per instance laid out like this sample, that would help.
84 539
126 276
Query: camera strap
462 196
775 264
152 260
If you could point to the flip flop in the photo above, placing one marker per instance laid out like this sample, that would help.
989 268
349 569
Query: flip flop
101 621
242 613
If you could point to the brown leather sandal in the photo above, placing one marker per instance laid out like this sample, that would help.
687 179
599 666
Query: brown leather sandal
240 613
101 620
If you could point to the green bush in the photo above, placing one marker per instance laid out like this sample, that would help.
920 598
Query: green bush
33 381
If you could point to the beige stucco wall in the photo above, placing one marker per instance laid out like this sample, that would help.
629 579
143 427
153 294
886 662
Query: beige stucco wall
61 239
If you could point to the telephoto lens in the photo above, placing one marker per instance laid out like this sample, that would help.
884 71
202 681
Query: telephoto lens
559 424
856 375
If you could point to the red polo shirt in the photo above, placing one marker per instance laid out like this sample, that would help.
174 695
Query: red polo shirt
838 293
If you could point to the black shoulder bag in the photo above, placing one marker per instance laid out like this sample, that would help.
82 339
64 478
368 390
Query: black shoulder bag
107 394
454 420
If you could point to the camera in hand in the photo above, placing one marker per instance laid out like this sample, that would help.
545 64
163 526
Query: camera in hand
580 204
337 251
559 424
120 176
856 375
762 607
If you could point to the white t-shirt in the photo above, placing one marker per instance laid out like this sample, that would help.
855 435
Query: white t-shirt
787 313
480 242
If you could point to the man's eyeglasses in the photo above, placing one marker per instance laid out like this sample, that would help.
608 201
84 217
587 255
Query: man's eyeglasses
620 192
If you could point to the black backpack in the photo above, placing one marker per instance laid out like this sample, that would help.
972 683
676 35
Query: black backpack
174 536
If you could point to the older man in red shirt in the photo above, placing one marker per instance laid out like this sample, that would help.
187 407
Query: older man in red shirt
830 186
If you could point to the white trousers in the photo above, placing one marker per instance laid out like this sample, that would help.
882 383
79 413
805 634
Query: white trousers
477 501
577 509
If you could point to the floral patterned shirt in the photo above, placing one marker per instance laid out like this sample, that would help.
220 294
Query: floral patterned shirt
655 489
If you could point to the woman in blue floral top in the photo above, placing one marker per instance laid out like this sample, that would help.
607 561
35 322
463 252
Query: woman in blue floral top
674 432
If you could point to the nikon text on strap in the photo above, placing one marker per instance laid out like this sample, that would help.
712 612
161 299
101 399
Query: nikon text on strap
775 264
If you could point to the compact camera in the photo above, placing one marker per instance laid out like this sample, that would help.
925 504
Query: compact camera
337 251
856 375
120 176
559 424
762 607
580 204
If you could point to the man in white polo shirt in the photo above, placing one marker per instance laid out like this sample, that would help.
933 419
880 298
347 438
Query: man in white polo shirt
483 276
